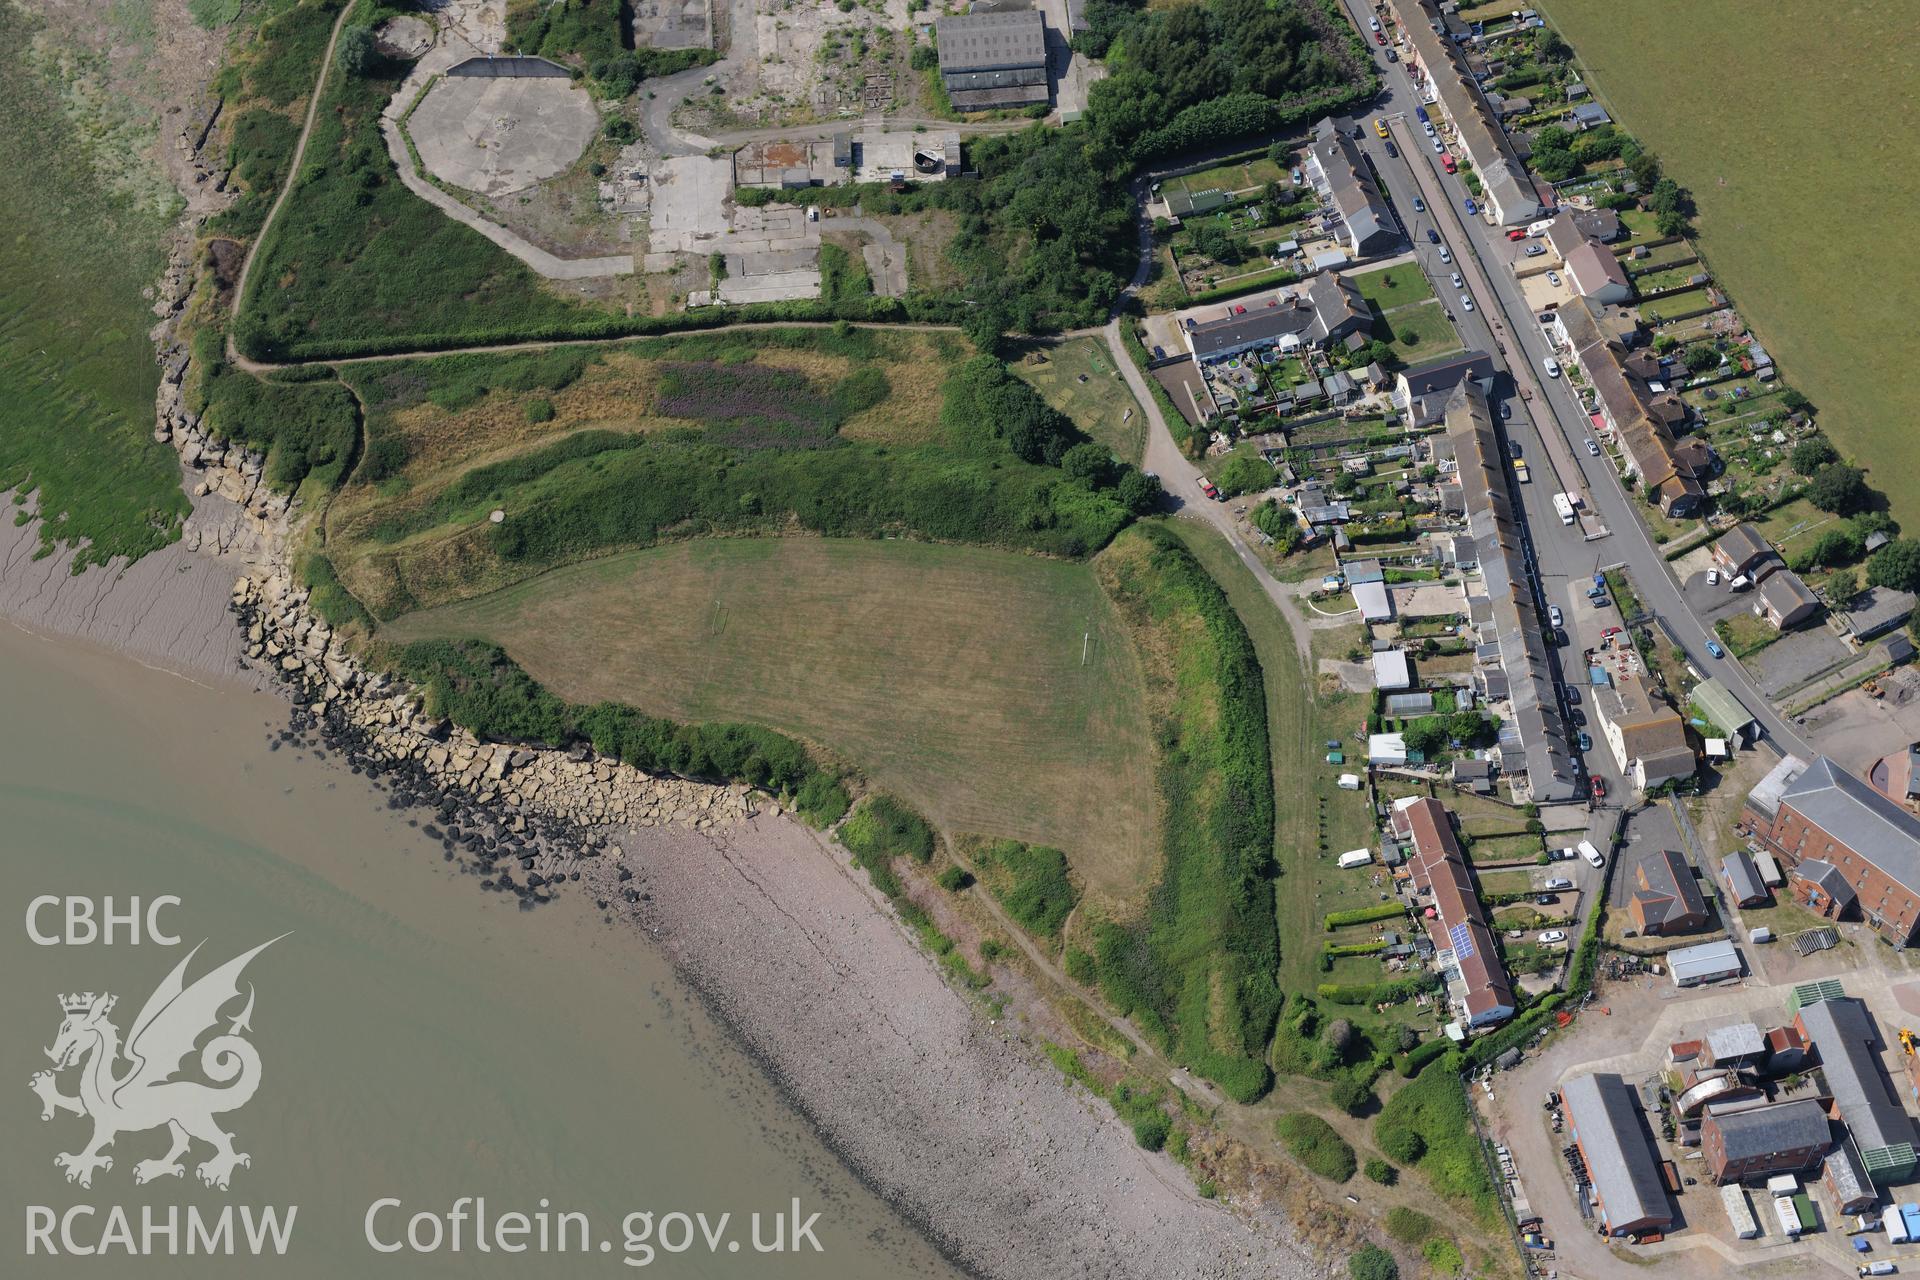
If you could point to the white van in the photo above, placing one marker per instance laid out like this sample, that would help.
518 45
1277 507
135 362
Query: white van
1590 853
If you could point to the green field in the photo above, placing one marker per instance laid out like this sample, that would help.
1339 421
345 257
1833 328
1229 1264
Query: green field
1825 104
1391 287
1427 323
77 373
951 676
1101 406
1239 176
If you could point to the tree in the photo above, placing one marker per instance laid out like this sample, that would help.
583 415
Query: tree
1549 47
1842 587
1401 1143
1464 726
1371 1262
1812 454
1138 492
358 55
1868 523
1838 488
1794 401
618 77
986 326
1378 1170
1701 358
1427 735
1089 463
1351 1095
1896 565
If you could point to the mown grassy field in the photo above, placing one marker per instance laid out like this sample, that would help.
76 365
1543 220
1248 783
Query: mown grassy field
1795 127
77 374
995 692
1101 406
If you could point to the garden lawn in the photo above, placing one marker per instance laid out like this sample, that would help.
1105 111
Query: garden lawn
1395 286
951 676
1433 334
1833 88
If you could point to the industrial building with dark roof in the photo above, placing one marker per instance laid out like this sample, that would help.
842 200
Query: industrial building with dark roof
1742 1142
997 59
1842 1033
1609 1128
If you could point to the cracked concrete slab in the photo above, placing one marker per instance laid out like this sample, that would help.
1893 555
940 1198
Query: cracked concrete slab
498 136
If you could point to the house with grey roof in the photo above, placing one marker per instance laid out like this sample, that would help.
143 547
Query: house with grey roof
1424 389
1339 308
1786 601
1339 175
1843 1033
1742 549
1616 1150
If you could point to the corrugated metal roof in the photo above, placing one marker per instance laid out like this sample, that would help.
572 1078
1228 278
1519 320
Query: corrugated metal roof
1844 1035
1619 1156
1782 1127
1854 814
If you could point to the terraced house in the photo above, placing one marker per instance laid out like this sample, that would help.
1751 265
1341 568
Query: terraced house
1640 411
1343 182
1463 944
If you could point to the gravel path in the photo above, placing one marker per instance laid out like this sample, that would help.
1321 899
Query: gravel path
1012 1171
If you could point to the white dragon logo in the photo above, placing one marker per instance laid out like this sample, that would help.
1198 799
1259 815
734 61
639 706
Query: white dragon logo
146 1095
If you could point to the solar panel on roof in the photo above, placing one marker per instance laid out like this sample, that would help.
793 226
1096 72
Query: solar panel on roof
1462 939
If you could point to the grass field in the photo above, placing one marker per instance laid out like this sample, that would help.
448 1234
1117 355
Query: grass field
951 676
1101 406
1257 172
1391 287
1427 323
1826 103
77 374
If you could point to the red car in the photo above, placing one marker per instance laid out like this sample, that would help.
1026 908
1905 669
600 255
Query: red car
1516 234
1206 487
1380 38
1448 163
1599 788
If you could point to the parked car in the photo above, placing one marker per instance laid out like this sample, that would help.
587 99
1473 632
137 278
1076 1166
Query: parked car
1374 23
1159 353
1560 637
1206 487
1560 883
1466 303
1458 283
1713 577
1380 126
1393 56
1516 234
1426 123
1471 207
1551 936
1535 250
1392 150
1380 38
1446 254
1439 147
1419 205
1586 741
1553 615
1573 695
1599 786
1560 855
1552 367
1448 163
1421 112
1553 278
1545 899
1506 411
1433 236
1713 647
1593 449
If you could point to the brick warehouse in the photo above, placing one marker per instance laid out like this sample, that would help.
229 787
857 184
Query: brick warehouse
1851 851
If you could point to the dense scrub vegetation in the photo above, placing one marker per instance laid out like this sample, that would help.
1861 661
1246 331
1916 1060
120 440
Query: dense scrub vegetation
1198 973
310 430
766 459
882 829
477 686
595 36
267 81
1315 1144
1199 75
1030 880
1426 1125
